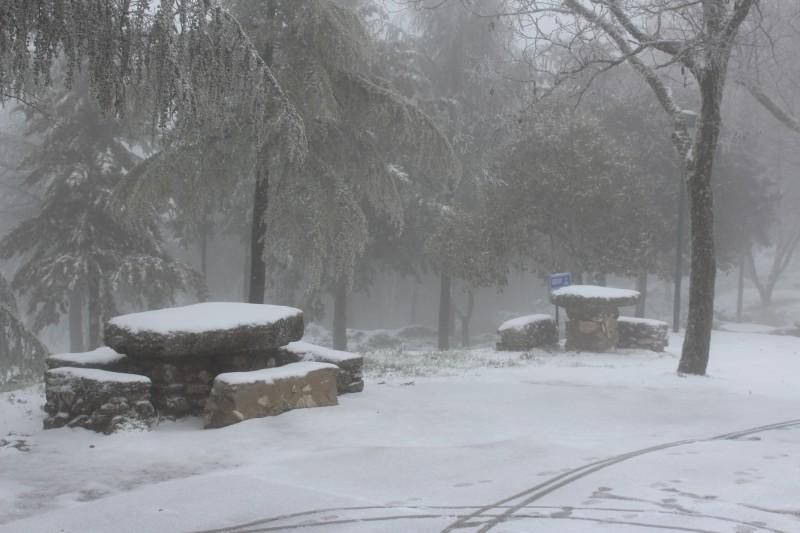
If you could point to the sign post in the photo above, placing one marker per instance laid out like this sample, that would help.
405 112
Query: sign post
562 279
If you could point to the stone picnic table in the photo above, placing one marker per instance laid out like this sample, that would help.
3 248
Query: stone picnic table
592 313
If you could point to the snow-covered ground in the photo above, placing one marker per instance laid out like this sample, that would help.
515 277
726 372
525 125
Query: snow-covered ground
464 441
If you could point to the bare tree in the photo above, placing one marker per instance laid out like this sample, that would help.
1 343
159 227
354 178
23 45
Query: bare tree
656 37
767 72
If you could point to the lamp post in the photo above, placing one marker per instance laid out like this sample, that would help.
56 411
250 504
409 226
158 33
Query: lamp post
690 118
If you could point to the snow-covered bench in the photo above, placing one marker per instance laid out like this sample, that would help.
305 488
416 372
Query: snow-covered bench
97 399
642 333
238 396
350 365
103 358
527 332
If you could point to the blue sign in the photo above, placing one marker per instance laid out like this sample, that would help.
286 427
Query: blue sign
563 279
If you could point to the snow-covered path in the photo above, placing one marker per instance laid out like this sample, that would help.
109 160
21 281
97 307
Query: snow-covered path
427 455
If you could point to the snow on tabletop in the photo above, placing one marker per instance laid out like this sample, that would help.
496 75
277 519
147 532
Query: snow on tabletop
596 292
99 356
99 375
207 316
271 375
521 322
312 352
644 321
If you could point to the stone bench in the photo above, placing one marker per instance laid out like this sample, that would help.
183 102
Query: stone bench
350 378
99 400
526 333
239 396
642 333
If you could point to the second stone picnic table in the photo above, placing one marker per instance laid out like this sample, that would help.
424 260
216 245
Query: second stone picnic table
592 312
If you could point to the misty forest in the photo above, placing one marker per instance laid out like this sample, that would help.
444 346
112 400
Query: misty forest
399 265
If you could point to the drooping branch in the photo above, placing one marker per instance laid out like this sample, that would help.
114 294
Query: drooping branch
774 109
680 132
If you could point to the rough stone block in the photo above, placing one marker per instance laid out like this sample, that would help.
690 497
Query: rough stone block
99 400
642 333
239 396
526 333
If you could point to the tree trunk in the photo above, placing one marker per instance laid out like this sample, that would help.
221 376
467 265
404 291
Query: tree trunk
258 232
340 316
246 272
740 290
76 303
697 343
601 279
444 312
466 318
414 291
204 251
95 307
641 286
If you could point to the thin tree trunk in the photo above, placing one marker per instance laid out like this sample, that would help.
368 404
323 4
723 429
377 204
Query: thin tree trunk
444 312
76 303
340 316
466 318
246 272
95 308
697 342
641 286
414 291
740 290
204 251
258 269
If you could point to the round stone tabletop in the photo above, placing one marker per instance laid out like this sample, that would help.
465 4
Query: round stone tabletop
593 295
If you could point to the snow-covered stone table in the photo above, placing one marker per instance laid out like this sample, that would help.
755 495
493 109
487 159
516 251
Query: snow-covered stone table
182 349
527 332
592 313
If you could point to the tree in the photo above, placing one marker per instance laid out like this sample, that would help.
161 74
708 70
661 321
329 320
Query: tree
768 74
184 63
696 37
570 188
21 354
76 251
466 91
365 143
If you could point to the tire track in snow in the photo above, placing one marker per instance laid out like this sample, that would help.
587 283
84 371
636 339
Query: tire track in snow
267 524
543 489
506 509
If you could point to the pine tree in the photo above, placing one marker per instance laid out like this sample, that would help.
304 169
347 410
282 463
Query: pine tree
21 354
364 139
77 249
